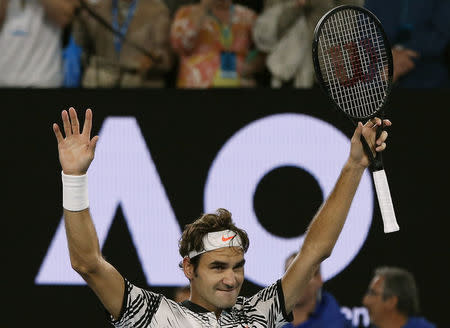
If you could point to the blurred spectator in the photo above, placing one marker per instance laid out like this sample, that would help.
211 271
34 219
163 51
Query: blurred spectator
112 62
392 300
214 44
182 293
31 41
284 31
419 32
316 308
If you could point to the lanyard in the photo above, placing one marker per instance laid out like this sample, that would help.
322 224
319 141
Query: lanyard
124 28
226 35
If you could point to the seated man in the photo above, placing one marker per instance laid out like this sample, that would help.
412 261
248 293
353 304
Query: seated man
392 300
316 308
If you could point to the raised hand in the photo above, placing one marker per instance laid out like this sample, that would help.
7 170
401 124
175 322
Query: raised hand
368 131
76 150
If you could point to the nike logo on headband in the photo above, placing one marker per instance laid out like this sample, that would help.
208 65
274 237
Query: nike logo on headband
228 238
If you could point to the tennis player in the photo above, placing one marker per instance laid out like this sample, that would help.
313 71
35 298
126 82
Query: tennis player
212 248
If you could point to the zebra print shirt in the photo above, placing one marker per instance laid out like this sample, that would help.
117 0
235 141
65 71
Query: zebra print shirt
142 308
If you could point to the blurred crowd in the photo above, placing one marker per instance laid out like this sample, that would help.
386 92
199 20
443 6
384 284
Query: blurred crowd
202 43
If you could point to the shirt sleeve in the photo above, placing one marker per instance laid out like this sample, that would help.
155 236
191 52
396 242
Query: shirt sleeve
138 307
268 306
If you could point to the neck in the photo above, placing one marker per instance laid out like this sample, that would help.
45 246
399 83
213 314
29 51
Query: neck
395 320
198 301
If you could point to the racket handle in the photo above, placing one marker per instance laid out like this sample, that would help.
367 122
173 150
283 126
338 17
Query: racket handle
385 201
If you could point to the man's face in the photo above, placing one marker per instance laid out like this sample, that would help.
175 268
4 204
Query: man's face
373 300
218 280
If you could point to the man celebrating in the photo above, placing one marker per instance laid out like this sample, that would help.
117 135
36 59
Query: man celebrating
212 248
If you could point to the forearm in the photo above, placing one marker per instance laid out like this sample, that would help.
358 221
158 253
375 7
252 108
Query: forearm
326 226
322 234
82 240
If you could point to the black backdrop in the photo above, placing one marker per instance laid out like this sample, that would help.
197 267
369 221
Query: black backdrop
185 130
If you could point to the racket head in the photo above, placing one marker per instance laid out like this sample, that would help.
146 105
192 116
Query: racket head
353 61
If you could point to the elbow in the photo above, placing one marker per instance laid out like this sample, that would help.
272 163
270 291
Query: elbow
317 253
85 267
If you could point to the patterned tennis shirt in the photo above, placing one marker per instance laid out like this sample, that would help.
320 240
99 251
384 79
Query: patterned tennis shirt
142 308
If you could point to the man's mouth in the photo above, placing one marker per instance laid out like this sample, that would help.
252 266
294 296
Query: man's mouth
227 290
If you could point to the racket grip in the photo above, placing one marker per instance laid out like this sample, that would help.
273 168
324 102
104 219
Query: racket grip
385 201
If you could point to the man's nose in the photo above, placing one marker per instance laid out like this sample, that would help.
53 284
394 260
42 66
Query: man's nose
229 278
365 300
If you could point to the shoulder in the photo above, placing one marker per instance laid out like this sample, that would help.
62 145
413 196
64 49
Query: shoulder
138 304
419 322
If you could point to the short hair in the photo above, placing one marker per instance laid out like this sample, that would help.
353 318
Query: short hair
401 283
192 237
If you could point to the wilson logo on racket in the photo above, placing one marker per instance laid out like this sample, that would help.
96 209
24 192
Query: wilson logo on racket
341 72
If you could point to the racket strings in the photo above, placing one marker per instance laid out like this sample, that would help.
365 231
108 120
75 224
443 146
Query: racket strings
354 63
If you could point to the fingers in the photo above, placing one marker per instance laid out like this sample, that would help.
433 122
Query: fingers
412 53
380 143
66 123
93 143
57 132
381 147
74 121
72 125
375 122
382 138
87 123
358 131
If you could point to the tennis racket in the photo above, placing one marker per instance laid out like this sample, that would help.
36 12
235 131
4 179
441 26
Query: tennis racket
353 65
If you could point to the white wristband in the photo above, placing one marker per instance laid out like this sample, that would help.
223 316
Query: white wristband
75 192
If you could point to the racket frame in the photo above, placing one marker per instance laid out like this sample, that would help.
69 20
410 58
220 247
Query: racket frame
376 166
315 55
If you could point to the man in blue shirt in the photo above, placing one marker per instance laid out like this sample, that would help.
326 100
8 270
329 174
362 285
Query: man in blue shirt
392 300
419 32
316 308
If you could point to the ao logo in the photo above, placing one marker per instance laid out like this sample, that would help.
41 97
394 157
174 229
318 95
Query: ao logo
260 147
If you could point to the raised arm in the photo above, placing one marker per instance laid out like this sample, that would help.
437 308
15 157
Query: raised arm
327 224
76 152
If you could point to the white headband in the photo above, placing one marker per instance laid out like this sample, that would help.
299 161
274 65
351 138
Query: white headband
218 239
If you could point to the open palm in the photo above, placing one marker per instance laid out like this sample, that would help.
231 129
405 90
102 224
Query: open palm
76 150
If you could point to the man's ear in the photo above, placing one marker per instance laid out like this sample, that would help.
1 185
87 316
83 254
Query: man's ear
188 268
391 302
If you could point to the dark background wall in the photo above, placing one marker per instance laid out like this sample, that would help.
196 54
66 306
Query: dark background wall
185 130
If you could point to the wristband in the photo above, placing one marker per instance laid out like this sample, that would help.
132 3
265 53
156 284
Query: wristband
75 192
